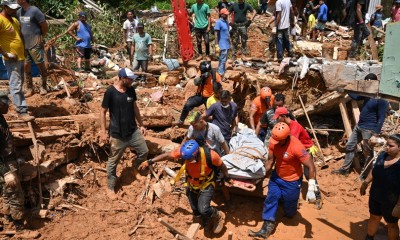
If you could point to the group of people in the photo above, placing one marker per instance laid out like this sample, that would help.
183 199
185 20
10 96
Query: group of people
23 28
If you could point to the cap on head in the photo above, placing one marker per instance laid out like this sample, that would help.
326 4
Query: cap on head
10 3
371 76
82 14
194 116
378 7
280 111
224 11
140 25
126 73
280 132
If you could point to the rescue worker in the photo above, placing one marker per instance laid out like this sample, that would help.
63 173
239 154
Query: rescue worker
206 134
201 166
298 131
12 193
288 154
266 118
259 105
205 81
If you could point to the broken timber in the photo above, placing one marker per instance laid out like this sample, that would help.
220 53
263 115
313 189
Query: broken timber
322 104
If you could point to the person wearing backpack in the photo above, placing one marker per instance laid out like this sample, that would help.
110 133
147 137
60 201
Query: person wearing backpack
204 81
200 167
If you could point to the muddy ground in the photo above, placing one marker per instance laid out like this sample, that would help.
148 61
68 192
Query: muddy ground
83 211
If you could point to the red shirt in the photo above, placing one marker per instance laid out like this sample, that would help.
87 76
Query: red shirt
194 169
289 158
300 133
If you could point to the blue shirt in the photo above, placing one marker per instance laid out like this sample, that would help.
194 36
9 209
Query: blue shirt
373 113
323 13
84 34
223 117
223 34
378 17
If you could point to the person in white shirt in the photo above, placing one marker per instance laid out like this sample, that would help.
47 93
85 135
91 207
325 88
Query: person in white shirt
283 12
129 28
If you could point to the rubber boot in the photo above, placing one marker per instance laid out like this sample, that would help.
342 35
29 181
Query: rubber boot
43 86
28 85
265 231
218 222
87 66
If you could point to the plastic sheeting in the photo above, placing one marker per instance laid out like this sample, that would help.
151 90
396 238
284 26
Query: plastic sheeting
248 156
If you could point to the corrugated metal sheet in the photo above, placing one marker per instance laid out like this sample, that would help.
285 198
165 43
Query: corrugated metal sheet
390 80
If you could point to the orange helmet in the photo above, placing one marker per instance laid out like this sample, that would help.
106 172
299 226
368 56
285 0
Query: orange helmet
265 92
280 131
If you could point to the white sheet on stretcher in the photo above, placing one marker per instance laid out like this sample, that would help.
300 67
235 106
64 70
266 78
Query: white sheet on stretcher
248 155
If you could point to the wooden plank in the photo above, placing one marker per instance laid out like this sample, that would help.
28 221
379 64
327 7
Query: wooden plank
345 117
356 110
160 220
191 232
363 86
372 44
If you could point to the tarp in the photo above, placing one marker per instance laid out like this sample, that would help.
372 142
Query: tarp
248 156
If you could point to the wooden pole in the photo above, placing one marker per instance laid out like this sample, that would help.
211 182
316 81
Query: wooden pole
37 160
312 130
173 229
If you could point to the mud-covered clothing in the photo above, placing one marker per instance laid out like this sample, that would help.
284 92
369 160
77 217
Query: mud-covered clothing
7 150
239 32
13 197
385 188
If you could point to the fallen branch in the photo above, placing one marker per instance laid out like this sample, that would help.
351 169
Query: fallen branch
137 226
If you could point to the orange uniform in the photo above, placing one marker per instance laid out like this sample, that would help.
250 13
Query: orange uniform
289 158
260 107
208 86
194 169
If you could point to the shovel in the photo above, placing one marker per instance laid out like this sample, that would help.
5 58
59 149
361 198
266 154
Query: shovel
37 151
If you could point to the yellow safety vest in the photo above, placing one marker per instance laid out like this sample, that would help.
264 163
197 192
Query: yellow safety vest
204 181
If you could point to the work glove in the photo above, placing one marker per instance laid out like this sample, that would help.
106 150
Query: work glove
312 188
313 150
217 49
10 179
363 188
11 56
396 211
